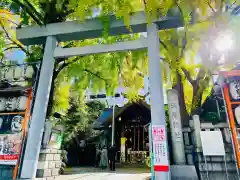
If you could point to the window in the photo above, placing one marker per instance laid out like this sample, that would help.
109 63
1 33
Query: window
93 96
101 96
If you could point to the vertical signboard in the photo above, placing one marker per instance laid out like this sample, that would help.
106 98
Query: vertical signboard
55 141
175 122
160 151
10 137
176 127
10 145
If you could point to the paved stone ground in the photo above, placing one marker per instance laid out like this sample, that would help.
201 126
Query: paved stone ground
104 176
88 173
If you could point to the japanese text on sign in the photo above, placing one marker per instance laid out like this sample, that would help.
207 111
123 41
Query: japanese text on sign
176 126
159 147
158 134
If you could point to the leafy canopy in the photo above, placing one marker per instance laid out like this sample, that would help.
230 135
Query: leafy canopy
78 121
178 47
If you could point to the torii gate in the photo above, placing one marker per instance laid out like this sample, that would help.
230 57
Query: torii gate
51 34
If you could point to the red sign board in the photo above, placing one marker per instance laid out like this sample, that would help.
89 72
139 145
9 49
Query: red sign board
10 145
160 148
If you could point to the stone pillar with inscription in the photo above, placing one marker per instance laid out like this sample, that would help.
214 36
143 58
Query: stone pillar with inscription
176 127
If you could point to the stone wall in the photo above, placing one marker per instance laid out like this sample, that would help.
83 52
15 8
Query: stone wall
215 165
49 163
48 166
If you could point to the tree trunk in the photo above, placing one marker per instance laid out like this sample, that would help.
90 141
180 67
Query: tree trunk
50 101
196 99
51 95
199 86
183 110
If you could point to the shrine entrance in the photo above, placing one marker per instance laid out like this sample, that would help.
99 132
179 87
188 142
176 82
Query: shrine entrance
131 136
52 34
131 132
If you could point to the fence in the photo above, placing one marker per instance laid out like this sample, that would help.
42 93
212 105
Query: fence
194 154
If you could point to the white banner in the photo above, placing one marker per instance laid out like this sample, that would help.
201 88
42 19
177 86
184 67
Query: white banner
160 151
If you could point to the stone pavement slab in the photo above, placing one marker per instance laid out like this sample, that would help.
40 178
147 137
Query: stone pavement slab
102 176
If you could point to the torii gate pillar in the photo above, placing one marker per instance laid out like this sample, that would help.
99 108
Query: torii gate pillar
30 162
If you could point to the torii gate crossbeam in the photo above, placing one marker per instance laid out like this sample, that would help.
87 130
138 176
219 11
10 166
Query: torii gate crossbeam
51 34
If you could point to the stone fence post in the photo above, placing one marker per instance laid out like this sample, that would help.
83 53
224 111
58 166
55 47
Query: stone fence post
215 164
196 127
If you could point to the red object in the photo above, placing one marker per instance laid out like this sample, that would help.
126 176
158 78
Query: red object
9 157
161 168
161 138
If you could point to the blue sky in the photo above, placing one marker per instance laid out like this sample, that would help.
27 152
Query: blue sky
16 55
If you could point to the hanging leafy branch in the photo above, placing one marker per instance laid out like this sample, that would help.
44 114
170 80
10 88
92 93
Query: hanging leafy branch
180 47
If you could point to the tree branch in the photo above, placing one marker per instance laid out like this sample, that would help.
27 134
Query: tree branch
146 94
90 72
34 10
201 74
68 45
185 32
163 44
187 74
232 5
14 41
1 61
209 4
31 14
13 22
68 13
185 71
64 65
14 47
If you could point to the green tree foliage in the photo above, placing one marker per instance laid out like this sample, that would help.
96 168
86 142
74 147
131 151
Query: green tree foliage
8 40
178 47
79 118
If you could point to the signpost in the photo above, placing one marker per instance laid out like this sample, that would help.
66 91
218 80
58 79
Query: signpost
176 127
160 148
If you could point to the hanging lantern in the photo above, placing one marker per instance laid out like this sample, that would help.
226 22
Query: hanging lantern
9 74
16 125
21 103
237 114
2 104
29 72
1 122
18 73
2 74
234 89
11 104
